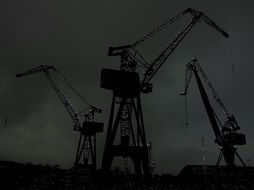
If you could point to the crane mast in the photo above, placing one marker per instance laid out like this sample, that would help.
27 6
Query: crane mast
88 129
127 87
226 135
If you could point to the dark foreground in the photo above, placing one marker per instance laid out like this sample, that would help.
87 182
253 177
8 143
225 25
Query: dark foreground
28 176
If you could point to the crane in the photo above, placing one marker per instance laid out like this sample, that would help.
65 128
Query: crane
88 129
127 87
226 135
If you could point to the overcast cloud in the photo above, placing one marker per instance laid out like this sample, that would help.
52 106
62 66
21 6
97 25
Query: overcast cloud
74 36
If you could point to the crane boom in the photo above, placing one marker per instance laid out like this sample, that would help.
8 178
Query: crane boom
198 16
130 56
210 112
193 12
65 101
95 109
163 56
160 28
63 98
202 17
189 68
40 68
61 95
193 66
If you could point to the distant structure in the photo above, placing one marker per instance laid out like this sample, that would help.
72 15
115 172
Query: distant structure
89 128
126 110
226 135
204 156
203 151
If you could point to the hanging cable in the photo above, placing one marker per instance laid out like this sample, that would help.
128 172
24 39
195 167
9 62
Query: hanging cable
231 56
186 111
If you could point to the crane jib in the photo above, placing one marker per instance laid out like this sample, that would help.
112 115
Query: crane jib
162 57
152 68
61 95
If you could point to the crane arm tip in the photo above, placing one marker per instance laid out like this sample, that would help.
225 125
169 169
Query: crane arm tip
18 75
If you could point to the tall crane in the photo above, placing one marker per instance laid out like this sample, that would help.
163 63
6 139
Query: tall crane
127 86
226 135
89 128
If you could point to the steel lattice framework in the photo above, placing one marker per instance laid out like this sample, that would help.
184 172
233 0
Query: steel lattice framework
226 135
127 86
87 141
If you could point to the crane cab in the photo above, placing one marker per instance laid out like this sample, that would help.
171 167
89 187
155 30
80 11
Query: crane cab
123 83
235 138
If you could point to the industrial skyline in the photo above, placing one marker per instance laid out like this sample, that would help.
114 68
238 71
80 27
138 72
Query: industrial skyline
75 37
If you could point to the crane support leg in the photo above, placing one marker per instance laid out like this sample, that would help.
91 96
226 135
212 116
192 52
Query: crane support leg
240 158
229 154
219 158
132 142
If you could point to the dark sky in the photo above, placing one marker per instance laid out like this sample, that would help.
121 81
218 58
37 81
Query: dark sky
74 36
